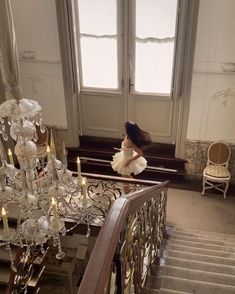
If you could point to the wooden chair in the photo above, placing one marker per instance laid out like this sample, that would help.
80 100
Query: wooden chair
216 174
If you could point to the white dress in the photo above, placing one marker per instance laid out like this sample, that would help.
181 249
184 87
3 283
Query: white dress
120 158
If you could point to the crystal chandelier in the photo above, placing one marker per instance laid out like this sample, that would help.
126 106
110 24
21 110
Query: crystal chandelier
39 197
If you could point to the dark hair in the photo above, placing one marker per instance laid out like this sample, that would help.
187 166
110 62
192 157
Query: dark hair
137 136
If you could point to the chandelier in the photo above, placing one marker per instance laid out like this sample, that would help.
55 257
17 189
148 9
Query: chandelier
40 197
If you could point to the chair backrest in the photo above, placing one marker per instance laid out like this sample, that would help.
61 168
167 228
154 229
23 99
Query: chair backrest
219 154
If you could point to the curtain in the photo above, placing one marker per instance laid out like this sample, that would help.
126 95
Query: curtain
69 60
9 49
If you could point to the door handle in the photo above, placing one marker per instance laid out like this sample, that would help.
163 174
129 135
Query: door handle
130 85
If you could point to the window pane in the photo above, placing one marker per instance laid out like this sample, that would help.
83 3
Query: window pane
155 18
155 32
98 17
99 62
153 68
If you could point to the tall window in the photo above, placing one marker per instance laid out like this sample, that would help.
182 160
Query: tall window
150 38
98 42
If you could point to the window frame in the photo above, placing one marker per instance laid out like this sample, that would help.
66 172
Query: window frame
119 54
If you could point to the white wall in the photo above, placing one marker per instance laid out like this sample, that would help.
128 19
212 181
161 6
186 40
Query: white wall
41 78
211 116
212 113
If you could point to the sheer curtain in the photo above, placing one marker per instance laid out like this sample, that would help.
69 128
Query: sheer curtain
9 49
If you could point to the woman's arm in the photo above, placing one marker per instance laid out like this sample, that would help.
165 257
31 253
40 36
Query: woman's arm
139 154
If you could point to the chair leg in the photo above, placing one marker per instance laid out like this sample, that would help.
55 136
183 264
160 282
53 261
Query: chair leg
203 184
225 190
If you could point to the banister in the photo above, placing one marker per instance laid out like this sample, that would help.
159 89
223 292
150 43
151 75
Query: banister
100 261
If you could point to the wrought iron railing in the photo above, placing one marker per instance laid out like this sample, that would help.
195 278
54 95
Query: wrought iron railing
128 243
103 192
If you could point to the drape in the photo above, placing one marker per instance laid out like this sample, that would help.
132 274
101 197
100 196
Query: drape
69 60
9 49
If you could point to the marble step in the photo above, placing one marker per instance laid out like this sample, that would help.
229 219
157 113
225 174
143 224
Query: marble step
200 240
196 287
169 291
198 250
200 245
207 234
4 254
199 265
201 257
5 272
198 275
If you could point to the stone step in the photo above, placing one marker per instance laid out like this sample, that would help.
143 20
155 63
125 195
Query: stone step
5 271
205 233
153 282
198 275
201 245
201 257
4 254
196 287
199 265
169 291
198 250
200 240
145 290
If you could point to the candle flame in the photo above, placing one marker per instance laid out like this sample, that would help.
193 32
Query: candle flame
78 160
48 149
9 152
53 202
3 211
84 181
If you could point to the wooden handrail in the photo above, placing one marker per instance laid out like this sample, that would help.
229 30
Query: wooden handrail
97 270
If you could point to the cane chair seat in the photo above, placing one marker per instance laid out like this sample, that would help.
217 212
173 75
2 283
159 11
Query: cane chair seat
216 174
217 171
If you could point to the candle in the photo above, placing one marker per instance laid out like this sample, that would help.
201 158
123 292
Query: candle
84 192
10 156
5 223
79 170
55 213
48 153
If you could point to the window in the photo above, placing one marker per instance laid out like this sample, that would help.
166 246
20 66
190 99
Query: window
98 42
154 45
151 49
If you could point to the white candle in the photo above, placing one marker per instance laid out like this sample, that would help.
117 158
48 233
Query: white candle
10 156
5 223
55 213
48 153
84 192
79 170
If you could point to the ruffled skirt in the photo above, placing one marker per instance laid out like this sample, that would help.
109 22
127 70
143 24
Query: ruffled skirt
135 167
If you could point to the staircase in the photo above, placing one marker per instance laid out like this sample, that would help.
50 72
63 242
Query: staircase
96 154
194 262
7 275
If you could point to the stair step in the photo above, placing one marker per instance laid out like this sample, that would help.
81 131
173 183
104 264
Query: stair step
169 291
5 271
145 290
208 234
4 254
199 265
153 282
201 245
204 251
190 274
196 287
201 240
201 257
205 235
